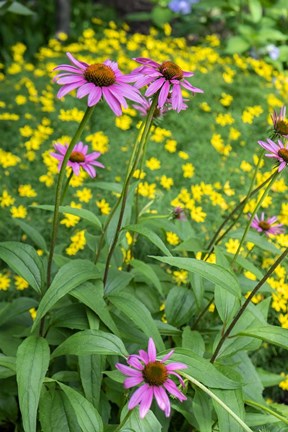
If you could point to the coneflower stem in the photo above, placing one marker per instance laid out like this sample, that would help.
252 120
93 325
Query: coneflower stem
246 303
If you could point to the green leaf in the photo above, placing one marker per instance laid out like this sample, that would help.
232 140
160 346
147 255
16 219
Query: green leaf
13 309
84 214
148 424
179 306
31 232
87 416
150 235
147 271
19 9
32 362
23 260
90 369
212 272
236 44
255 10
269 379
161 16
202 409
70 276
56 413
269 333
234 400
192 244
92 296
137 312
201 369
193 340
91 342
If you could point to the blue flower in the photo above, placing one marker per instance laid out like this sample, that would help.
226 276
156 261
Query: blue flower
182 7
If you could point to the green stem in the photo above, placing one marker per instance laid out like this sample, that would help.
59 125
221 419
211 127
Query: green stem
59 187
263 196
124 421
266 409
101 241
246 303
66 186
240 206
218 400
132 167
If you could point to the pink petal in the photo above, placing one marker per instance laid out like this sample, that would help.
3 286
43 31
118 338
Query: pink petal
90 170
78 63
94 96
134 362
85 89
188 86
162 400
163 94
128 371
177 98
172 388
66 89
112 101
146 402
175 366
137 396
132 382
167 356
70 79
151 350
155 86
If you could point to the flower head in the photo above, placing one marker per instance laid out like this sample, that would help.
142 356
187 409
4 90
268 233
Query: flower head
280 123
78 158
183 7
267 226
178 213
167 78
98 80
277 151
153 375
159 111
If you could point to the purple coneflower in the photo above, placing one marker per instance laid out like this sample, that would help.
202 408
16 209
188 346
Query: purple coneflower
280 123
78 158
165 78
278 151
267 226
154 376
97 80
159 112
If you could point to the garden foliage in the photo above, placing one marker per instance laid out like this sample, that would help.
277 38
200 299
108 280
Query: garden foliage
129 266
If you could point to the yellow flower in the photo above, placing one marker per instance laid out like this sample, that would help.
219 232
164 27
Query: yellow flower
234 134
284 384
84 195
256 298
180 276
69 219
20 100
245 166
7 159
147 190
139 175
232 246
19 212
166 182
172 238
26 191
6 200
20 283
4 282
33 313
183 155
197 214
124 122
171 145
99 141
78 242
224 119
226 99
249 275
188 170
71 115
153 164
205 107
103 206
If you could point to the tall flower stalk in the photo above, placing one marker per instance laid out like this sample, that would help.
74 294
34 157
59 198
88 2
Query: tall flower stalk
59 188
263 196
137 152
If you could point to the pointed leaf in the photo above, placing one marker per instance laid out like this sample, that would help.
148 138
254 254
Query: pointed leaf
32 232
32 362
214 273
91 342
147 271
271 334
87 416
150 235
23 260
68 277
84 214
137 312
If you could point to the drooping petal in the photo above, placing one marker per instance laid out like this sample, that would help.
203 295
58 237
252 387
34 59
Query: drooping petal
90 170
112 101
85 89
155 86
163 94
162 400
172 388
137 396
146 402
175 366
135 362
78 63
94 96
